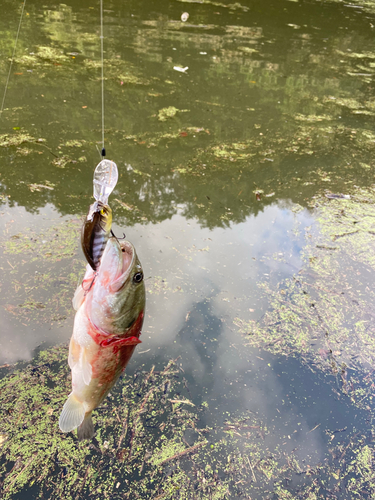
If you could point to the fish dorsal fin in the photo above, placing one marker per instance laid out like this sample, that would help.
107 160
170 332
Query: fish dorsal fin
72 414
85 367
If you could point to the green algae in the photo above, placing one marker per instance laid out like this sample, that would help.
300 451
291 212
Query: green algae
74 143
248 50
119 70
230 6
16 139
56 243
44 55
25 151
44 295
130 78
39 187
323 314
64 160
127 426
169 112
139 437
312 118
141 446
157 285
154 139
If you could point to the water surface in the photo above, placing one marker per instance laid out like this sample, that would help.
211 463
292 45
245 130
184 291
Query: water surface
220 168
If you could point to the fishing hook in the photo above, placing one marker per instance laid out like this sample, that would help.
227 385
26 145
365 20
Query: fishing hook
91 284
123 236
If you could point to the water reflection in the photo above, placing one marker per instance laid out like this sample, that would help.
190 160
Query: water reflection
217 166
218 266
286 117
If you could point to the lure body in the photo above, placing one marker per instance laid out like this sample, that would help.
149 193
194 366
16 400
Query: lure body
95 232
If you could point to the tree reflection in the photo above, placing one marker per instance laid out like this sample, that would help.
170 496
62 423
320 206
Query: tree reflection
274 111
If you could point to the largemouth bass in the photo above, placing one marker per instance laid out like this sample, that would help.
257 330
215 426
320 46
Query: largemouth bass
95 232
110 308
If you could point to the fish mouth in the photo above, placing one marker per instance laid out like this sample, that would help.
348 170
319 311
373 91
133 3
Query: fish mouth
128 258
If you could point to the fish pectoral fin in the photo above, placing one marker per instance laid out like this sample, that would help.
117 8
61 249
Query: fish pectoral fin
72 414
74 353
79 297
86 367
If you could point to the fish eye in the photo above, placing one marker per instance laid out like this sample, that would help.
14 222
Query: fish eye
102 211
138 277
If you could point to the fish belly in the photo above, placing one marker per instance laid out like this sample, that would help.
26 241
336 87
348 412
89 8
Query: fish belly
96 369
96 362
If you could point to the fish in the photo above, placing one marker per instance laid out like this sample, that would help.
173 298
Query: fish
110 307
95 232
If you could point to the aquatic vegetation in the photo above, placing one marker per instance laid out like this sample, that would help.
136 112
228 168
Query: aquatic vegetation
64 160
25 151
55 243
169 112
44 295
16 139
139 435
154 139
149 442
74 143
130 78
44 55
120 70
312 118
323 314
40 187
230 6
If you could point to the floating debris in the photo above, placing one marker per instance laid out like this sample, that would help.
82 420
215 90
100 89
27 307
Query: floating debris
180 69
332 196
169 112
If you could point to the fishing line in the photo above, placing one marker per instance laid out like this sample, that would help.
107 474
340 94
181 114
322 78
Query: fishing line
12 59
102 64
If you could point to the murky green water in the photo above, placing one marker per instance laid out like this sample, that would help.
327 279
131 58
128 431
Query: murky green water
259 284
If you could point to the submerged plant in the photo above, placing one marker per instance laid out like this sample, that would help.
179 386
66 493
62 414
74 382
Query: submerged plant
150 442
323 314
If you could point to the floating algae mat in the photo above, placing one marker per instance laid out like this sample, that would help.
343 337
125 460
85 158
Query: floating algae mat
149 441
45 293
324 313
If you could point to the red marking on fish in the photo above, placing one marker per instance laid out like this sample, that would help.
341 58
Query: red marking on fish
119 342
104 339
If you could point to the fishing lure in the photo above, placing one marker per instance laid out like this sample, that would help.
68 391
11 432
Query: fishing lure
97 226
95 232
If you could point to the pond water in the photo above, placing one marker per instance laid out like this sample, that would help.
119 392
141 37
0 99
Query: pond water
229 129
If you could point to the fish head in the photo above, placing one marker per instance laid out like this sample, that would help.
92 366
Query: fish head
117 298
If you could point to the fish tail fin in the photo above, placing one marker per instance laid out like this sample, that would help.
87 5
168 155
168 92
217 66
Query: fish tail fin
86 429
72 414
